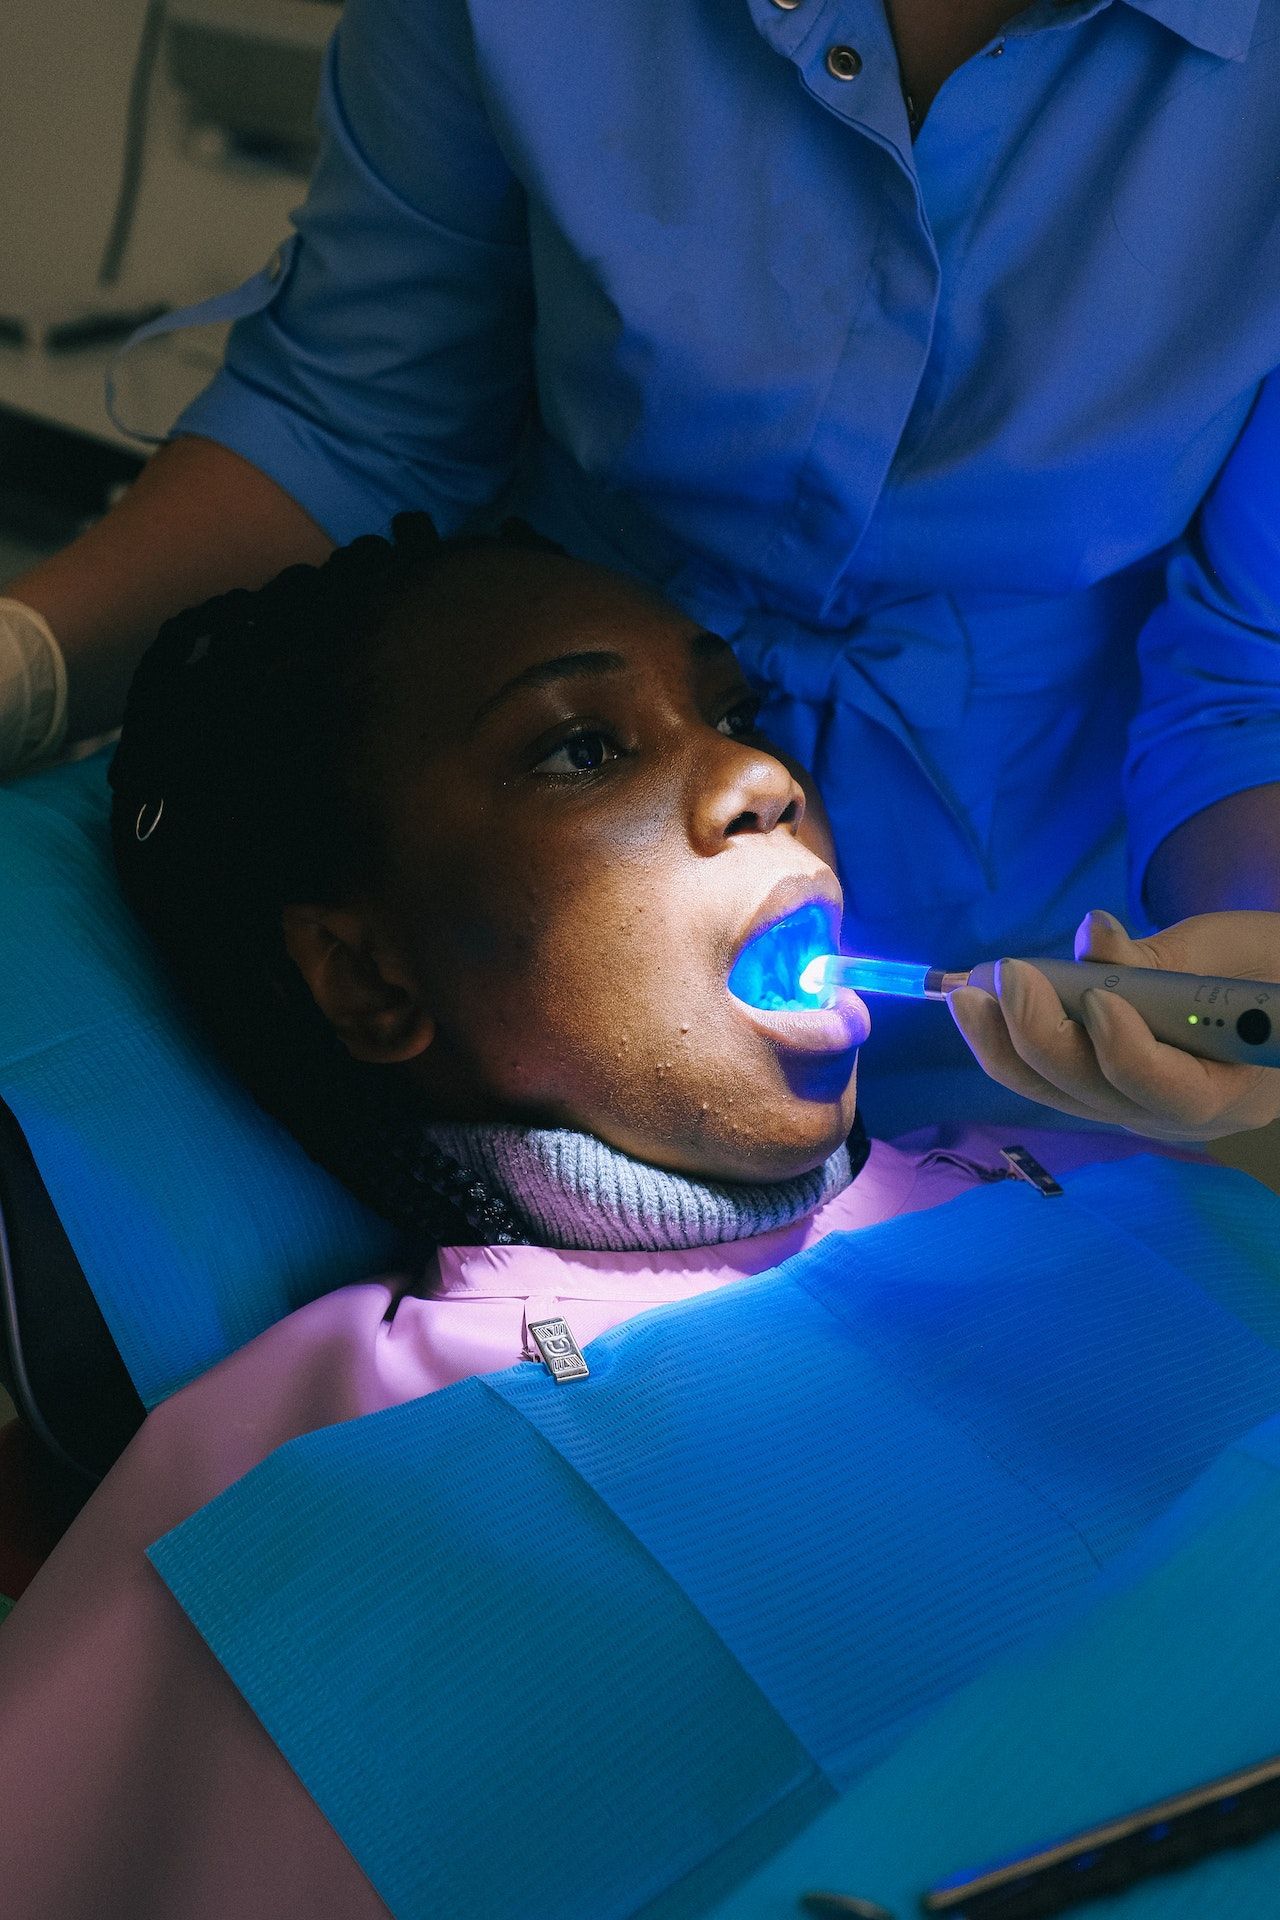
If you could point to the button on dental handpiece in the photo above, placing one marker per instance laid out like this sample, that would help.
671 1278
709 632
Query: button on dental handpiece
1232 1020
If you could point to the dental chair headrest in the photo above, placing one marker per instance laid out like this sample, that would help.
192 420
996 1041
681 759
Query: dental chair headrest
58 1363
154 1219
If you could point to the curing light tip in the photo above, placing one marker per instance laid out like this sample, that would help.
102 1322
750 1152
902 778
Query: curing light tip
866 976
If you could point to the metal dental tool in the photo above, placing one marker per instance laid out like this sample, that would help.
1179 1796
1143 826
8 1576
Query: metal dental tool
1231 1020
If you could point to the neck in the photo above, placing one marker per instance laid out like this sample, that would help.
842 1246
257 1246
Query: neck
570 1190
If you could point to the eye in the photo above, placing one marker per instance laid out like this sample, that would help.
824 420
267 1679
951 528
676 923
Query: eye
742 719
583 752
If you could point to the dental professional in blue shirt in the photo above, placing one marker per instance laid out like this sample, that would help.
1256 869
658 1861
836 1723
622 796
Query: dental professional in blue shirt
928 353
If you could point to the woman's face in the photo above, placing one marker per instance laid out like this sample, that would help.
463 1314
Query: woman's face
582 832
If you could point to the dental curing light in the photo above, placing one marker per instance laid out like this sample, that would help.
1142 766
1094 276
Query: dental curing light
1232 1020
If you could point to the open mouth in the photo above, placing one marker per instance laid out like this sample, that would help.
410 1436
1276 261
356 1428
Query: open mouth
765 981
767 972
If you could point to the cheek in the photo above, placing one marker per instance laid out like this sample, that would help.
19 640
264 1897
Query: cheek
610 970
544 967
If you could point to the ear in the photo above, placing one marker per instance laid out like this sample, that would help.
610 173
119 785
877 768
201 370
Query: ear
359 983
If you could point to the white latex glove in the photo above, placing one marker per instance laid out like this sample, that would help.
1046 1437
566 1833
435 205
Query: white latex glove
1113 1068
33 689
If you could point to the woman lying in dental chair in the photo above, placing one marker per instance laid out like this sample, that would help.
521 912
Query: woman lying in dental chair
461 916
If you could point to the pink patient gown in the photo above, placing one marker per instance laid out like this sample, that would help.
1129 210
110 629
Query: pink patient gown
136 1783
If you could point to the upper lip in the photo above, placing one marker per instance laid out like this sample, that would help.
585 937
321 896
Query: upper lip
788 896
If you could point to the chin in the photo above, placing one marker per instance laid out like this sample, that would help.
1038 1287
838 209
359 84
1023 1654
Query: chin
808 1132
777 1134
787 1162
800 1144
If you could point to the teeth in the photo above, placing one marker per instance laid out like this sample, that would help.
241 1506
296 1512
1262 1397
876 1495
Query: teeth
767 973
778 994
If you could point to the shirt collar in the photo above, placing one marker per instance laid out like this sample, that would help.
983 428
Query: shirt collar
1224 27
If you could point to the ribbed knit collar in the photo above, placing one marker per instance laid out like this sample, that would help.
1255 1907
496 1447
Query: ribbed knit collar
571 1190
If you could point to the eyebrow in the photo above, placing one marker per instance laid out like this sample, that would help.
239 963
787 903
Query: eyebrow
595 664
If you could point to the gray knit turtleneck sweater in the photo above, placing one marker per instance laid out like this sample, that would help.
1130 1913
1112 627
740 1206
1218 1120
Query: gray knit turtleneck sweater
571 1190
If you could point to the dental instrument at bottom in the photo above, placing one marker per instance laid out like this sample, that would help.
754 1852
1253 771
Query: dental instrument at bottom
1237 1021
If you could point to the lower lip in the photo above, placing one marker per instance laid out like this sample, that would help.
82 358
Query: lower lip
838 1027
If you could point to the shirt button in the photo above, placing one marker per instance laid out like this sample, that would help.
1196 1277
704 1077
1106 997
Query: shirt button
844 63
275 265
996 51
786 5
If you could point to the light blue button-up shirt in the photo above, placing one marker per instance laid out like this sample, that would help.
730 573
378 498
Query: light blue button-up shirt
971 446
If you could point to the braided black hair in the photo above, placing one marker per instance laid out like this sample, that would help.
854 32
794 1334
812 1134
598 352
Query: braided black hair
233 793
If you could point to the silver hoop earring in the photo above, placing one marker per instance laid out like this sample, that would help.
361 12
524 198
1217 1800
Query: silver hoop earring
141 833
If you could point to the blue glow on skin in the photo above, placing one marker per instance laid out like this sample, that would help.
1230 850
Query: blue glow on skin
767 972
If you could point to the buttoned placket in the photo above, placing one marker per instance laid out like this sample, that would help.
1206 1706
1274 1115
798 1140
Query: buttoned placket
902 288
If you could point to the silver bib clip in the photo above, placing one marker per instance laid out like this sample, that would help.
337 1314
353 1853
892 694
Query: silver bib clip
1026 1167
561 1354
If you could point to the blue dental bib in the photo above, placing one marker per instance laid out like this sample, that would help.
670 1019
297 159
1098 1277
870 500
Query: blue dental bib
542 1652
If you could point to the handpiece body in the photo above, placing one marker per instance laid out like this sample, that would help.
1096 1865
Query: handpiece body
1237 1021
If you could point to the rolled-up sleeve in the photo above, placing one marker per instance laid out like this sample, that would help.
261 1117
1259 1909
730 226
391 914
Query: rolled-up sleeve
391 366
1208 724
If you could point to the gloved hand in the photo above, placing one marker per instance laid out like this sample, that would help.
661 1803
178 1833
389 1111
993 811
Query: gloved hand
1112 1068
33 689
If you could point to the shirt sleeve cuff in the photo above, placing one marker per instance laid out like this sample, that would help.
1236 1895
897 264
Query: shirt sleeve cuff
312 466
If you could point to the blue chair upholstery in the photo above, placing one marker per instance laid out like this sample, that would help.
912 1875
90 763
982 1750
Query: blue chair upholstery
146 1202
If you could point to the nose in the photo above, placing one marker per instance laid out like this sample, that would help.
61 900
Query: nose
742 789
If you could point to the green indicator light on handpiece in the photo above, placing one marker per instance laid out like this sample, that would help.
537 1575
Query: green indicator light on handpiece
1193 1019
